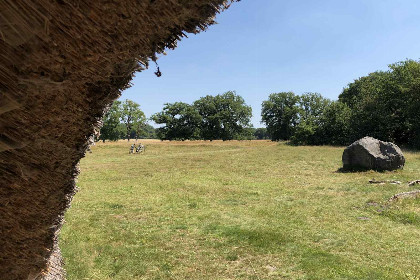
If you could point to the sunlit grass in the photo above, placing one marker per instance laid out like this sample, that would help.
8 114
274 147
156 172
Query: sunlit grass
238 210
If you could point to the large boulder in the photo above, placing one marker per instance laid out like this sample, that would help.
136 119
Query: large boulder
371 153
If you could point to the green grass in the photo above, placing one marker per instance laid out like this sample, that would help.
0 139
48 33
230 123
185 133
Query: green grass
238 210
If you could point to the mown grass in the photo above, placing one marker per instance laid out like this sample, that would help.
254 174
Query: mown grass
238 210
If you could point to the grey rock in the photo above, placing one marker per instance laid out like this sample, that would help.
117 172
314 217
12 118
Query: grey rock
371 153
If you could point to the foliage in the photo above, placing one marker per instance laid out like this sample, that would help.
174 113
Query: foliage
125 120
334 125
280 113
305 133
385 104
210 124
407 75
248 133
330 127
311 108
298 118
181 122
132 117
148 132
371 85
110 129
261 133
224 116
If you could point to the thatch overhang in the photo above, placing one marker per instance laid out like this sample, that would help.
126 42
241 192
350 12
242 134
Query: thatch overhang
62 63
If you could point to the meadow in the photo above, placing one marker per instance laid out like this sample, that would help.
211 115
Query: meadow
238 210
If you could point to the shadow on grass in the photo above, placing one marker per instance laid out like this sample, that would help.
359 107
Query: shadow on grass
409 149
271 238
358 169
297 144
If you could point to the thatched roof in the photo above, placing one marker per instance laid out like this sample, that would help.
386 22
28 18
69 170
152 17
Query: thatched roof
62 63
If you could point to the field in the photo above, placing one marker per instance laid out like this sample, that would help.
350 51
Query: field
238 210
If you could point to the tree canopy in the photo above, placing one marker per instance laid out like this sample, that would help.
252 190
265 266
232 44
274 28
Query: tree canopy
110 129
224 116
132 117
384 105
124 120
280 113
181 122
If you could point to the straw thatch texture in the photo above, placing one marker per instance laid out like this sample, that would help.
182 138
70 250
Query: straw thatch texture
62 63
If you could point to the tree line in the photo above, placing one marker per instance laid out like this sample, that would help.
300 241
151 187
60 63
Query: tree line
384 105
224 116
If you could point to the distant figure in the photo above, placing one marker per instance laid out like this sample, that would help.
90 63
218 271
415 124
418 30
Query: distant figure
132 149
140 148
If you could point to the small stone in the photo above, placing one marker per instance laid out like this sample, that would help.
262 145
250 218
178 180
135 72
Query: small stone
270 268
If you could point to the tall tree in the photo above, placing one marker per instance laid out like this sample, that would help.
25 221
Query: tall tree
138 129
261 133
371 85
385 104
132 116
406 75
280 113
181 122
334 127
210 127
110 129
224 116
311 107
371 114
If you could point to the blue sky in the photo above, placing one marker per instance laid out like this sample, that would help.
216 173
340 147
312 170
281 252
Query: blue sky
261 47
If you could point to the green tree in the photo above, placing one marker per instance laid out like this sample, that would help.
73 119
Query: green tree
305 133
110 129
181 122
280 113
334 127
148 132
248 133
210 126
312 105
372 85
406 75
385 104
224 116
261 133
139 130
122 129
371 114
132 117
311 108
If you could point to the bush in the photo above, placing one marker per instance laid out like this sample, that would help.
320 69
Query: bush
305 134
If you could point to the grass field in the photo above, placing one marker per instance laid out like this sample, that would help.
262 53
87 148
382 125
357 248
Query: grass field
238 210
